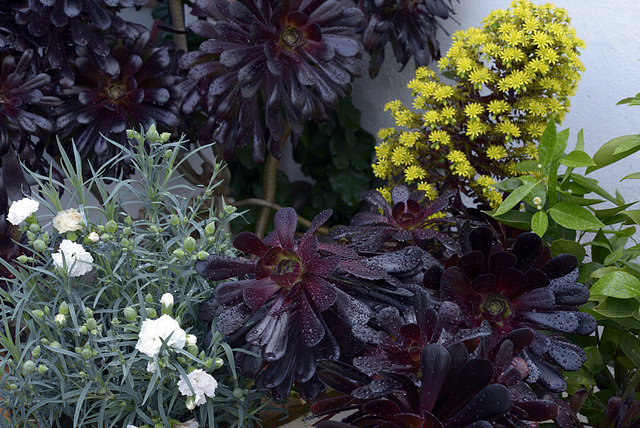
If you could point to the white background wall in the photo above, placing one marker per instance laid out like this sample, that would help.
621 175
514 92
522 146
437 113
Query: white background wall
610 30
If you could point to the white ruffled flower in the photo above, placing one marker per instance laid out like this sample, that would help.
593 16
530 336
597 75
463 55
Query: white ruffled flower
204 385
20 210
151 367
189 424
77 259
93 237
152 332
167 300
68 221
191 340
131 426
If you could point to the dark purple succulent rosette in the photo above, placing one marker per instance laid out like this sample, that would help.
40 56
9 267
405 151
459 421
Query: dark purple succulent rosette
406 223
521 287
410 26
289 308
53 24
132 86
277 62
454 390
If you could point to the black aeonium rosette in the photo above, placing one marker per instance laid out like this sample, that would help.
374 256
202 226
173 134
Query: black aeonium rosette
521 287
132 86
268 62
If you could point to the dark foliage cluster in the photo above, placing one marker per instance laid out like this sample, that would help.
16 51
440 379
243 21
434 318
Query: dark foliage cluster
474 335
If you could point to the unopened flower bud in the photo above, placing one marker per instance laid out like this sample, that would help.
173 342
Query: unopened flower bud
91 323
39 245
128 221
64 308
178 253
151 313
111 226
42 369
35 353
86 353
189 244
38 313
22 258
60 320
71 236
219 363
55 344
148 298
202 255
191 340
29 367
130 314
190 402
174 220
210 228
238 393
34 227
92 238
83 329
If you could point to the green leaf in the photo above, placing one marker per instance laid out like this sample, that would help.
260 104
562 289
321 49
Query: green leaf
577 159
339 151
538 191
629 344
609 153
527 166
518 219
579 200
547 143
610 212
564 246
508 185
617 284
634 215
592 185
574 216
580 141
349 184
539 223
612 307
515 197
634 176
613 257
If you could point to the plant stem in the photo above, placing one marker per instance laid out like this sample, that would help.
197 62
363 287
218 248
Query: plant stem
270 178
177 21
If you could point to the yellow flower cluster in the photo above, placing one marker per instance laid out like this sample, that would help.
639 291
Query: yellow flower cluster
511 75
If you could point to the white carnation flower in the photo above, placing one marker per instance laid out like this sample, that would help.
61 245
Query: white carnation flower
77 259
167 300
20 210
68 221
93 237
191 340
151 367
131 426
152 332
203 385
189 424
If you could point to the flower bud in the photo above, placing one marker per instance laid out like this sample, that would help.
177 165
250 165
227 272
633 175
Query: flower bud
190 402
202 255
174 220
60 320
71 236
148 298
86 353
193 350
105 237
189 244
42 369
38 313
22 258
55 344
39 245
152 134
83 329
128 221
210 228
191 340
64 308
45 237
91 323
34 227
130 314
35 353
29 367
151 313
219 363
166 303
178 253
238 392
111 226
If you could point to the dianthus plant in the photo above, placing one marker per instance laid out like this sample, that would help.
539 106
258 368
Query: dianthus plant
100 326
510 76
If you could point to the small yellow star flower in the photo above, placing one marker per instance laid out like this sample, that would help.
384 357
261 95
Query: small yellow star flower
496 152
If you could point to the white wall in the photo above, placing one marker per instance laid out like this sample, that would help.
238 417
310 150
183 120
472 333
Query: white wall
612 62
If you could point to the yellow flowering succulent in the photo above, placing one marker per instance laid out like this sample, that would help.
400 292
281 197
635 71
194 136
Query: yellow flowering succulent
511 75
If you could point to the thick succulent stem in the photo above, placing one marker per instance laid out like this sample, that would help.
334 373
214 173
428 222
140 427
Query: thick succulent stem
269 180
177 21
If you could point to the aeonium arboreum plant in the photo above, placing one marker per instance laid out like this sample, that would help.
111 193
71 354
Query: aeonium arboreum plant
100 326
296 305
